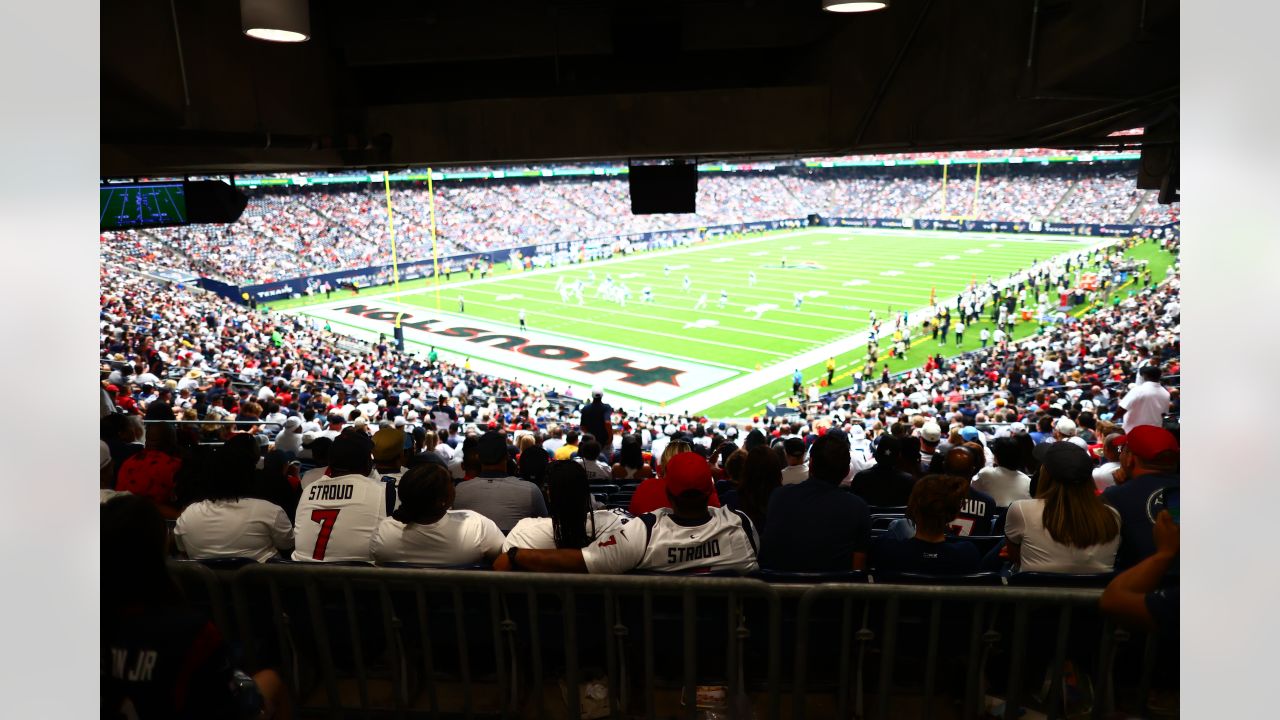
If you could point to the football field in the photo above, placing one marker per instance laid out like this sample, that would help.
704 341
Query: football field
688 348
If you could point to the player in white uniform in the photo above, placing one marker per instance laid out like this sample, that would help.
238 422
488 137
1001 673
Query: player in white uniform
687 537
666 271
799 299
572 523
648 294
724 298
523 327
751 279
338 513
687 283
702 302
425 531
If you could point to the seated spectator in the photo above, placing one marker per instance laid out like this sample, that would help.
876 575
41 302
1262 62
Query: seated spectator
1104 476
631 465
886 484
573 522
935 501
589 458
570 446
494 493
1004 481
797 470
533 465
1066 528
466 460
228 523
652 493
161 657
1148 472
978 513
814 526
689 536
424 530
1147 402
338 513
1136 597
151 472
757 475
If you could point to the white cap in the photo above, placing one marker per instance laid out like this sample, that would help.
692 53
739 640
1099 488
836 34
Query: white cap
1066 428
930 432
1077 440
597 391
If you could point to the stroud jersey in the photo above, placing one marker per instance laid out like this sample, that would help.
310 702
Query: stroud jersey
659 542
336 519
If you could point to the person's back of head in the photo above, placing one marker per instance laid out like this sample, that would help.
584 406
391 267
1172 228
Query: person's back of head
492 451
132 542
569 504
793 449
533 465
829 459
1008 453
351 453
589 449
1150 373
735 466
234 466
631 454
426 492
1073 513
960 460
935 501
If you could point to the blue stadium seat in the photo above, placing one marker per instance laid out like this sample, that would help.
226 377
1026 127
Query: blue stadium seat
984 543
603 488
898 510
787 577
882 521
1043 579
981 579
227 563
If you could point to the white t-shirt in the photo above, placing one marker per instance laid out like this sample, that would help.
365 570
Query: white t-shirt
1003 485
458 538
793 474
538 534
1104 475
726 541
1145 404
1041 553
336 518
247 527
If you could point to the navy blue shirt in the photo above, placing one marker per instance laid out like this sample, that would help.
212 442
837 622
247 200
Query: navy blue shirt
881 485
1139 501
917 556
977 515
814 527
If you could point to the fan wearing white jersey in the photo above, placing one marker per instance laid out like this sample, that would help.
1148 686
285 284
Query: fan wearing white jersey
573 524
688 537
425 531
338 513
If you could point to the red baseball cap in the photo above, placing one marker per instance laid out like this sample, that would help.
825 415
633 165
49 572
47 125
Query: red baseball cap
688 472
1148 441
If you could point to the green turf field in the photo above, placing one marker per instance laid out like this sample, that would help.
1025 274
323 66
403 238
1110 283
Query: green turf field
842 275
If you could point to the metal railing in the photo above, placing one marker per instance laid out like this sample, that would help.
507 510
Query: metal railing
408 642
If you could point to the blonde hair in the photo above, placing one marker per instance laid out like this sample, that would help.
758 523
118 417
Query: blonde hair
674 448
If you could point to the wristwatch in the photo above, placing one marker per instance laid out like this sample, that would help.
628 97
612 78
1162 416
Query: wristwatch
511 558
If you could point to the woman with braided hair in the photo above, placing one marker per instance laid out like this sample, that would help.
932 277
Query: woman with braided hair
573 524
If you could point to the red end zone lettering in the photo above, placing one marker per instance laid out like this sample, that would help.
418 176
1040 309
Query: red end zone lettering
649 377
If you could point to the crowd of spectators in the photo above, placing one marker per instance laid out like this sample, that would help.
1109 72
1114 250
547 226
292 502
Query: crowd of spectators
290 232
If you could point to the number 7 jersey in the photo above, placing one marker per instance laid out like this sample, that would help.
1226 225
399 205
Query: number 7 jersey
336 519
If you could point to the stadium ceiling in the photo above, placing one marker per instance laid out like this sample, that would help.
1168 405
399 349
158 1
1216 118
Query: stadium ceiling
393 83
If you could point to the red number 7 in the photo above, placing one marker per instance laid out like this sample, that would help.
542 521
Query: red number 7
326 518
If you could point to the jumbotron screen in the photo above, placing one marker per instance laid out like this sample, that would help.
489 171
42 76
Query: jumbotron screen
142 205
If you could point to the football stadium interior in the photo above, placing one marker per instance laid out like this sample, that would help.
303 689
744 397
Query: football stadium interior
708 359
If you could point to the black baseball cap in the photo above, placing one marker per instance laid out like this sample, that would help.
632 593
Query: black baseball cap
1066 462
492 448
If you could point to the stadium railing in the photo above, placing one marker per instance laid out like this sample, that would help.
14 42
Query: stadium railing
429 642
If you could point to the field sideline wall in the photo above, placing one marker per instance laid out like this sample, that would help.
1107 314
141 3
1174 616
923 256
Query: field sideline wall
596 248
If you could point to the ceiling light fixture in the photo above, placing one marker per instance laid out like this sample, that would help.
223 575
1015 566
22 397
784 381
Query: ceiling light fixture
854 6
286 21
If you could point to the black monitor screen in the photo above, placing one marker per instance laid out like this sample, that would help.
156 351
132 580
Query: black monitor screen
142 205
